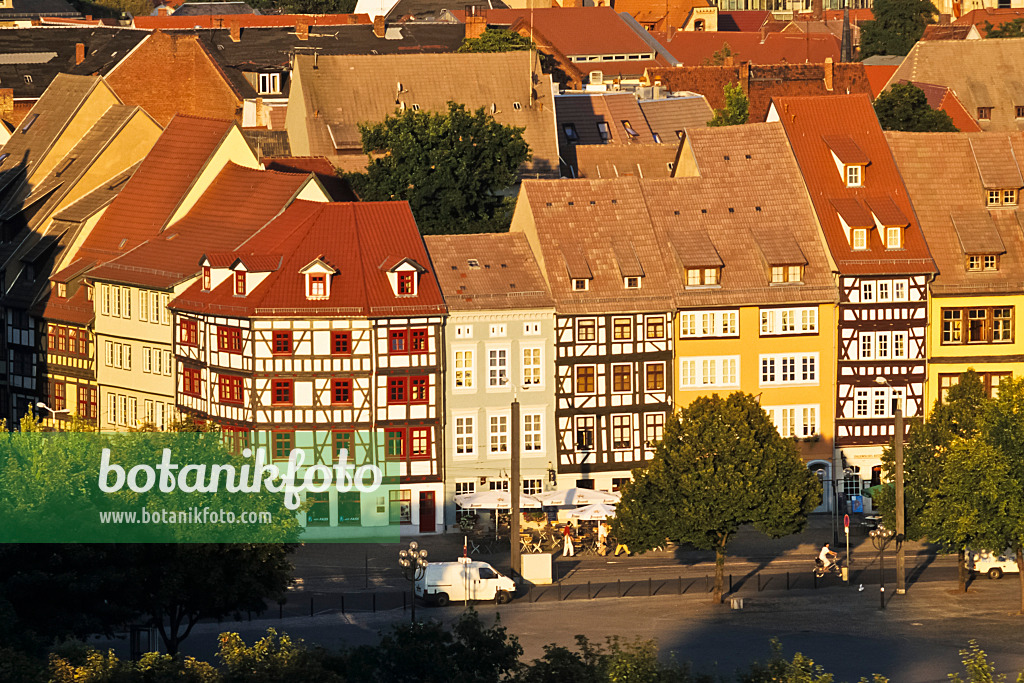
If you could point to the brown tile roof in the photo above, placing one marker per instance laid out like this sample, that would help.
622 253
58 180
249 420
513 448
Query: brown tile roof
764 82
45 121
505 274
746 20
945 32
933 164
853 212
344 91
97 199
996 162
247 20
695 48
237 203
355 238
846 149
585 111
148 200
613 161
808 121
746 209
575 30
336 186
667 115
663 13
982 73
76 309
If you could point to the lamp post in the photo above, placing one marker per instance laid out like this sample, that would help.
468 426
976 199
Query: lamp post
516 485
881 538
53 413
901 524
414 564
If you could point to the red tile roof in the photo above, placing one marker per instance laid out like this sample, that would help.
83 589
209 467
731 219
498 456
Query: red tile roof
878 76
942 97
150 197
996 17
238 202
247 20
355 239
763 83
325 172
807 122
661 13
945 32
77 309
749 20
575 30
695 48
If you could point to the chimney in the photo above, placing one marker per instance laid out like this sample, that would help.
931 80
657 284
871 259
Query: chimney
945 19
79 53
88 17
669 32
745 77
378 26
817 10
728 60
6 103
163 11
828 74
302 28
475 26
235 28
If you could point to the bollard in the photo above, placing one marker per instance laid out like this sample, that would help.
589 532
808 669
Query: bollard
588 590
311 605
680 585
649 582
618 588
815 580
787 580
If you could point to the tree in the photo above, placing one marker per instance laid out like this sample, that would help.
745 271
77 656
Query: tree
1007 29
897 25
737 107
718 57
904 106
453 168
721 464
496 40
957 418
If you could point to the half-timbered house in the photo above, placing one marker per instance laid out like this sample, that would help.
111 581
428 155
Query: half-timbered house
883 267
323 333
975 237
498 349
606 273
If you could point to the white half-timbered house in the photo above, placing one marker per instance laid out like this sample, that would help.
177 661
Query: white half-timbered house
323 333
613 323
882 266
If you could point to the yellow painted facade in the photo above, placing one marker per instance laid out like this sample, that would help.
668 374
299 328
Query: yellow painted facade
747 348
984 358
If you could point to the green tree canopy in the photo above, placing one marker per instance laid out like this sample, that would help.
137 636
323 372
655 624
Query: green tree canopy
904 106
721 464
897 25
737 107
454 168
1007 29
496 40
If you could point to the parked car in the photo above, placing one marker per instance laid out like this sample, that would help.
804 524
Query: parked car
995 565
466 579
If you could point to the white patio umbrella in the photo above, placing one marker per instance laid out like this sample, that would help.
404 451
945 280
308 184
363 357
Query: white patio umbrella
595 511
577 496
494 500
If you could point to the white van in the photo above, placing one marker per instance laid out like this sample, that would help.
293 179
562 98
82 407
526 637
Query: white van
444 582
993 564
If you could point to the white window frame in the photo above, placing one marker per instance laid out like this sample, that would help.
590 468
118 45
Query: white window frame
533 433
616 422
462 437
147 358
499 330
497 371
867 292
893 237
787 321
465 368
532 373
531 329
463 331
854 175
168 364
712 323
499 436
700 372
800 421
788 369
269 83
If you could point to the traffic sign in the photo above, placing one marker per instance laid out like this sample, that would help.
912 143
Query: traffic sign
846 523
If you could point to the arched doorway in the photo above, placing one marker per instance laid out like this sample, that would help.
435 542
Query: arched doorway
822 469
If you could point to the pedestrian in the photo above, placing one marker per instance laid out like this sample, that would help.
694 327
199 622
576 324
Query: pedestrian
621 547
567 548
602 539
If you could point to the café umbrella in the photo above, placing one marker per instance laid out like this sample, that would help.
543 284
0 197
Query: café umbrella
594 512
494 500
577 496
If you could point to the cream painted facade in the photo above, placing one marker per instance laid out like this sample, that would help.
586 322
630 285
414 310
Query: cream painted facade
993 360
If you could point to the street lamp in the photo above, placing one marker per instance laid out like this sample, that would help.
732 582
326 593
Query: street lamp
881 538
516 485
53 413
901 525
414 566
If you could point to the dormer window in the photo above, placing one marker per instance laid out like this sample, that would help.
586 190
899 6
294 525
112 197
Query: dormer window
859 239
1007 197
580 285
407 283
270 84
207 278
783 274
982 262
239 283
62 290
854 174
893 238
632 282
702 277
318 279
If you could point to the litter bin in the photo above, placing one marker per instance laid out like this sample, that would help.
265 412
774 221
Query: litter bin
737 603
